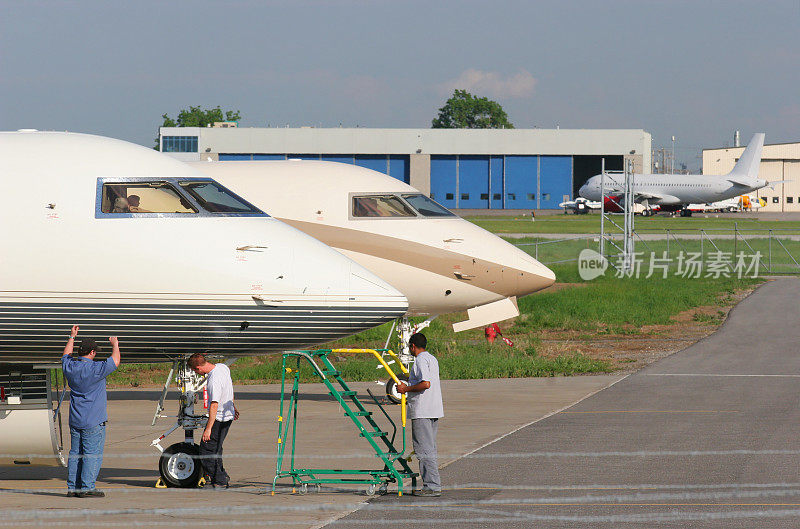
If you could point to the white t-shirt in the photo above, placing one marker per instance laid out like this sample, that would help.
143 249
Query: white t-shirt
220 390
425 404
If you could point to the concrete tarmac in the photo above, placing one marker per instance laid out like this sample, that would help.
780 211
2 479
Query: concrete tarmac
707 437
478 412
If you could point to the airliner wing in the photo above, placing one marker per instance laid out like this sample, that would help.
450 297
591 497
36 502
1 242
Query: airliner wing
658 199
647 196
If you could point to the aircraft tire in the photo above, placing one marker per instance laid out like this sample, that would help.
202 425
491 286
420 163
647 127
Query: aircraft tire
391 392
179 466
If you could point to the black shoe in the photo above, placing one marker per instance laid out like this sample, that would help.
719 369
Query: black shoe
430 493
91 494
72 494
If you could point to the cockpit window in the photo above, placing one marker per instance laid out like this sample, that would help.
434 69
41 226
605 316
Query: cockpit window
381 206
427 207
217 199
144 197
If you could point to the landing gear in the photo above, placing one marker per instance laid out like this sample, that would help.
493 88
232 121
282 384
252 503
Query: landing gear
179 465
404 331
686 212
391 389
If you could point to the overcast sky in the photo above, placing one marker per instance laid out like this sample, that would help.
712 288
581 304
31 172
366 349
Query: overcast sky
696 70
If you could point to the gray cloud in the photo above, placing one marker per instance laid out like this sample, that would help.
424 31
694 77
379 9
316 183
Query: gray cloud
493 84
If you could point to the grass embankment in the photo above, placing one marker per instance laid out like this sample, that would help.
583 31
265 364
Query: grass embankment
591 223
604 306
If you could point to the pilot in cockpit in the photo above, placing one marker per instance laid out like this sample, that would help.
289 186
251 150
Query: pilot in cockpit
133 203
121 206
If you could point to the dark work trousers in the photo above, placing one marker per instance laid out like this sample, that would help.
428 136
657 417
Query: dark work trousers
211 451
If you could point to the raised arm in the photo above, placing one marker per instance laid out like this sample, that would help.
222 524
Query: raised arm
115 350
71 340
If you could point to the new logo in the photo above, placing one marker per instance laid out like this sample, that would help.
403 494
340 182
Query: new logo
591 264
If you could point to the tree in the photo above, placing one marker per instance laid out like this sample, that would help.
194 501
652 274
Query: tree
198 117
465 111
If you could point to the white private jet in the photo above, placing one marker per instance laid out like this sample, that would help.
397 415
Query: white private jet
674 192
439 261
579 206
126 241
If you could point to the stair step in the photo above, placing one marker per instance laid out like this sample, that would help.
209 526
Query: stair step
333 373
374 434
361 413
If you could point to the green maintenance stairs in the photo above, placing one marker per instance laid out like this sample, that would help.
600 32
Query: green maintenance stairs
395 466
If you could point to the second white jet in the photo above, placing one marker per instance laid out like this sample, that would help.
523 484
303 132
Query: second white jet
439 261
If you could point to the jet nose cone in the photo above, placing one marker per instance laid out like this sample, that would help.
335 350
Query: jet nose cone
520 273
534 276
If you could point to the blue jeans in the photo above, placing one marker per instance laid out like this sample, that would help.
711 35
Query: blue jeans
85 456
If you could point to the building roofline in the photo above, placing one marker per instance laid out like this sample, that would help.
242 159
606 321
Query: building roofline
745 146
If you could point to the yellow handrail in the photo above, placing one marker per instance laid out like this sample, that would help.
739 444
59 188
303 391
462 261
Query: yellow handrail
388 369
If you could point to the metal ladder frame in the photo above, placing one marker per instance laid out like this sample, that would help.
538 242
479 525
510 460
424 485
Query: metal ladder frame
362 419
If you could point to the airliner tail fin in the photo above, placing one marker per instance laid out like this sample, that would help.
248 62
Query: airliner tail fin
750 160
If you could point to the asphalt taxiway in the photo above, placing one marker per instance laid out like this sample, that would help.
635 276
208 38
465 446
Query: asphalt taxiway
707 437
478 412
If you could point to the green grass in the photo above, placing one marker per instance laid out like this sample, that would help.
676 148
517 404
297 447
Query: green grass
622 306
591 223
777 256
711 319
476 362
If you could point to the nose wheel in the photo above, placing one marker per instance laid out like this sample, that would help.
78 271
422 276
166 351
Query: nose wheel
179 465
391 389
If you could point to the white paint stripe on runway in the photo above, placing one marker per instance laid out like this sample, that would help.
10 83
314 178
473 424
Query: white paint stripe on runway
471 452
716 375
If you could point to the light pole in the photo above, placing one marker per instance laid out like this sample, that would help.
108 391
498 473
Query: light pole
672 161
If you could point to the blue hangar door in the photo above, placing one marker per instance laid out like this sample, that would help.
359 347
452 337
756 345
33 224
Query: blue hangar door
496 190
444 180
521 182
473 182
555 180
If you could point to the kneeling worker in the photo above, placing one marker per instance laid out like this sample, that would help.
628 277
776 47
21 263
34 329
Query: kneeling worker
425 409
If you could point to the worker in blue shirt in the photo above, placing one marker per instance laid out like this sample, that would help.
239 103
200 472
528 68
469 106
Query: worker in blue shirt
87 412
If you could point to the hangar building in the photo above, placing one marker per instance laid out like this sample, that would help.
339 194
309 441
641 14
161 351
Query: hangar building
460 168
780 161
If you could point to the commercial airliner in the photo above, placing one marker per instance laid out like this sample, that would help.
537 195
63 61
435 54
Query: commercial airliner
674 192
123 240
